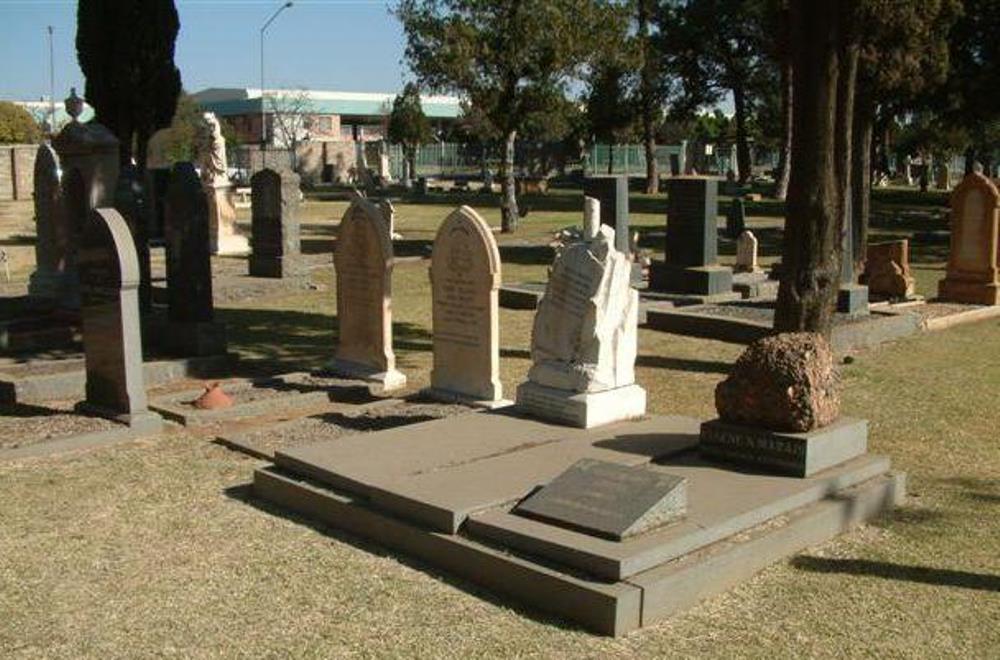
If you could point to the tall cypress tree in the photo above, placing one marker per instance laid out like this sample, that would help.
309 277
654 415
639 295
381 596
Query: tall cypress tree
126 52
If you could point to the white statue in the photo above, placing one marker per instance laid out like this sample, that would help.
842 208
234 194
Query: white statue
212 151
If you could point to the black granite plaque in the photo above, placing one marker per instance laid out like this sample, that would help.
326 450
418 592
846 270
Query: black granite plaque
275 238
612 193
189 267
692 207
608 500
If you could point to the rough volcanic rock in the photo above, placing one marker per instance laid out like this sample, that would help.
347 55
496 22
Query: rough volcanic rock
785 382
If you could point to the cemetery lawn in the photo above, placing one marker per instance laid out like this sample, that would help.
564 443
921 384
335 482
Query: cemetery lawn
155 548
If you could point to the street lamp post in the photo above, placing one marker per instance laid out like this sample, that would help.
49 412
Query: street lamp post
52 87
263 118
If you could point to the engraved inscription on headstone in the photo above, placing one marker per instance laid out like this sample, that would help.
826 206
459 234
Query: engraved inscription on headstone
609 500
465 278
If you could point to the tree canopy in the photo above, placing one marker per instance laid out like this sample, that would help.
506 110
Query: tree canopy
17 126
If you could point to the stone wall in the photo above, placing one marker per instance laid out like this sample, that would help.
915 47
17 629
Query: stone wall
17 166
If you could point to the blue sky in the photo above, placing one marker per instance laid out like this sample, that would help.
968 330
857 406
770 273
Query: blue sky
347 45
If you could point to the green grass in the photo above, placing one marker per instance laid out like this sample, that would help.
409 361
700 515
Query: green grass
153 549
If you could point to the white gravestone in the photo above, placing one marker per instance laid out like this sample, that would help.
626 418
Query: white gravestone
584 339
746 253
223 237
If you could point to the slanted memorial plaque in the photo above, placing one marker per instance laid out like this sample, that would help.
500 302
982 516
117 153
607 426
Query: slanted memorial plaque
465 278
608 500
109 282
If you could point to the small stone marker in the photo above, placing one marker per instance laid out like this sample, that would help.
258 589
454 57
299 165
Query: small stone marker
887 270
190 308
973 275
465 278
363 261
584 337
609 500
746 253
691 265
112 344
276 246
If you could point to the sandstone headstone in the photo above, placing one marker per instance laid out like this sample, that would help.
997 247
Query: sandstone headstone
190 309
109 278
973 275
746 253
275 225
51 243
691 265
584 338
363 261
465 278
887 270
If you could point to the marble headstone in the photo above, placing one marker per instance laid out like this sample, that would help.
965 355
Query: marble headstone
275 225
363 261
584 338
190 309
112 343
465 282
973 275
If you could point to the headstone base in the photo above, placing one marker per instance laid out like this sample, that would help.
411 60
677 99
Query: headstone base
232 245
852 299
145 421
447 396
793 454
277 267
973 293
194 339
378 381
700 280
581 409
755 285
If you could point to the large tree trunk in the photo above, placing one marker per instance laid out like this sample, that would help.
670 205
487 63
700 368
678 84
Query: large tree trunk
824 69
509 214
742 144
861 176
784 168
647 80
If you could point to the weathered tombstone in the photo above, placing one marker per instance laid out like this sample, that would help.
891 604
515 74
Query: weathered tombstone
887 270
388 212
736 219
746 253
109 279
691 265
192 329
275 225
130 202
157 182
48 280
612 193
584 338
363 261
943 178
972 275
465 278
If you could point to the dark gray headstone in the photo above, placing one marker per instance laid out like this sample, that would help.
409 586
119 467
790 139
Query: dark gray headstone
130 201
675 165
275 241
157 182
736 219
692 207
109 281
46 281
608 500
612 193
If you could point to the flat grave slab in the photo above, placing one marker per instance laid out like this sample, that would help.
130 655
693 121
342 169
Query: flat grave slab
444 491
523 295
262 396
38 381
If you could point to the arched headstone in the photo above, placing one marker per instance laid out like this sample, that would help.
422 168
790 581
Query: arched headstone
465 281
48 279
363 261
973 276
109 281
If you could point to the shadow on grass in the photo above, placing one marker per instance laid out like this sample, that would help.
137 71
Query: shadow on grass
683 364
245 495
17 240
889 571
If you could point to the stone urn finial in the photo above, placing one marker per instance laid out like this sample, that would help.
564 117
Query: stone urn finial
74 104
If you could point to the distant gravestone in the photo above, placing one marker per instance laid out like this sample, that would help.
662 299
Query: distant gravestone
887 270
275 242
736 218
691 264
852 298
465 278
157 182
584 336
190 309
746 253
363 261
48 280
609 500
973 275
130 201
612 193
109 279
